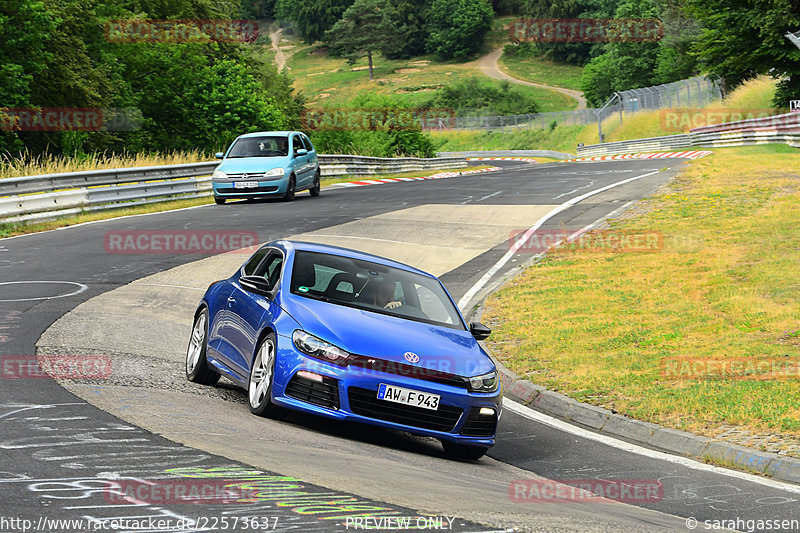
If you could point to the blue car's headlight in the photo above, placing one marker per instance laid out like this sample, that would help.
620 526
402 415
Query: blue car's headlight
274 172
485 383
311 345
219 175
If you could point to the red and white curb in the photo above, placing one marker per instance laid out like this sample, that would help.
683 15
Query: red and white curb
523 159
438 176
696 154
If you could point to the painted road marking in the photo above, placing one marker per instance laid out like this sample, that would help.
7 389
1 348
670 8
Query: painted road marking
520 242
639 450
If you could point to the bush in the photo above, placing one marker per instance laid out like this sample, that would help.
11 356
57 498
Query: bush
458 27
474 96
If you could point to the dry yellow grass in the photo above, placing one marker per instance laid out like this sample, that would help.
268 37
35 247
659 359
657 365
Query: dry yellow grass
46 164
600 326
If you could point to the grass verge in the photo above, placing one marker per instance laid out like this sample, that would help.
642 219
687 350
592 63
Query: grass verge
540 70
11 229
604 327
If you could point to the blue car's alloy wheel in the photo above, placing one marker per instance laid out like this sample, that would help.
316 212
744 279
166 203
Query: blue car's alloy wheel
259 388
197 369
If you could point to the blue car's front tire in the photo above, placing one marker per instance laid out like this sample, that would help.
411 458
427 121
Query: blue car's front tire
288 196
262 375
197 368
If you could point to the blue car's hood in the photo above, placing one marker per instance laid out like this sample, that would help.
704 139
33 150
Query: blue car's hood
389 338
253 164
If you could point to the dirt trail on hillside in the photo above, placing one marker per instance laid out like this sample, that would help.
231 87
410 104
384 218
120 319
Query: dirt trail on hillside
488 65
280 57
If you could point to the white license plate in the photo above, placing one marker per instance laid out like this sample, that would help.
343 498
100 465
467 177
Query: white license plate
245 184
390 393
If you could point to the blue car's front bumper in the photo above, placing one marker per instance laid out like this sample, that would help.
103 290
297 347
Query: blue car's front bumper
350 393
264 189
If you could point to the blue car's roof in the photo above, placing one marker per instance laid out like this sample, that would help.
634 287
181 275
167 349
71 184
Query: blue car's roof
288 245
273 133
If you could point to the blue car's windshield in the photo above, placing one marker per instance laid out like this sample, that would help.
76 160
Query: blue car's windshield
373 287
267 146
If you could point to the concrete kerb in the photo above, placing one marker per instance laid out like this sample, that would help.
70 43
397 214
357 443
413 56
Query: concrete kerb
608 422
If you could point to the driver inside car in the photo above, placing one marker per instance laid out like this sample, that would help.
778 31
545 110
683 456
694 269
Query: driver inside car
384 296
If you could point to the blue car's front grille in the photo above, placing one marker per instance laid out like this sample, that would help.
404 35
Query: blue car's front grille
479 426
365 402
249 190
410 371
325 394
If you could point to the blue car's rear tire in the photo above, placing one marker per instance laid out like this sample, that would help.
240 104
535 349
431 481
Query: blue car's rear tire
463 452
262 375
197 368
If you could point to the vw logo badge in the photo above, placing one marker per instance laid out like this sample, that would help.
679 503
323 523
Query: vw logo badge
411 357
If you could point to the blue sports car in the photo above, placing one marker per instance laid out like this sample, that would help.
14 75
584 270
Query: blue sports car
350 336
267 164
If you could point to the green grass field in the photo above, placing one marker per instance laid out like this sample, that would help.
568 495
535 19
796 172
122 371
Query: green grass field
540 70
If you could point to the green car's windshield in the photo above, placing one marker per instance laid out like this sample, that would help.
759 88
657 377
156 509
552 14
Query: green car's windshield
266 146
373 287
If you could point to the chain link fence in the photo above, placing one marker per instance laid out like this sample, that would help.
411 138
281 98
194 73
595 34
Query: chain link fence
694 92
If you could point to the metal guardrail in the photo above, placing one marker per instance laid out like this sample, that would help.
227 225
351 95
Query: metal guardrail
509 153
653 144
50 195
783 129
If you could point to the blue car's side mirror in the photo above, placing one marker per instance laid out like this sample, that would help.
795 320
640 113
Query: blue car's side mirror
302 151
219 155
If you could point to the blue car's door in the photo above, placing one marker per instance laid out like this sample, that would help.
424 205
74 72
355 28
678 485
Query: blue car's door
300 163
248 313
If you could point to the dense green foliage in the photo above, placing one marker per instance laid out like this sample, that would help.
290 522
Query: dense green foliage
54 54
743 39
457 27
384 140
361 31
476 97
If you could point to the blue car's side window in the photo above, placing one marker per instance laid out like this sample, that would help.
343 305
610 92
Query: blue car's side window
271 268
